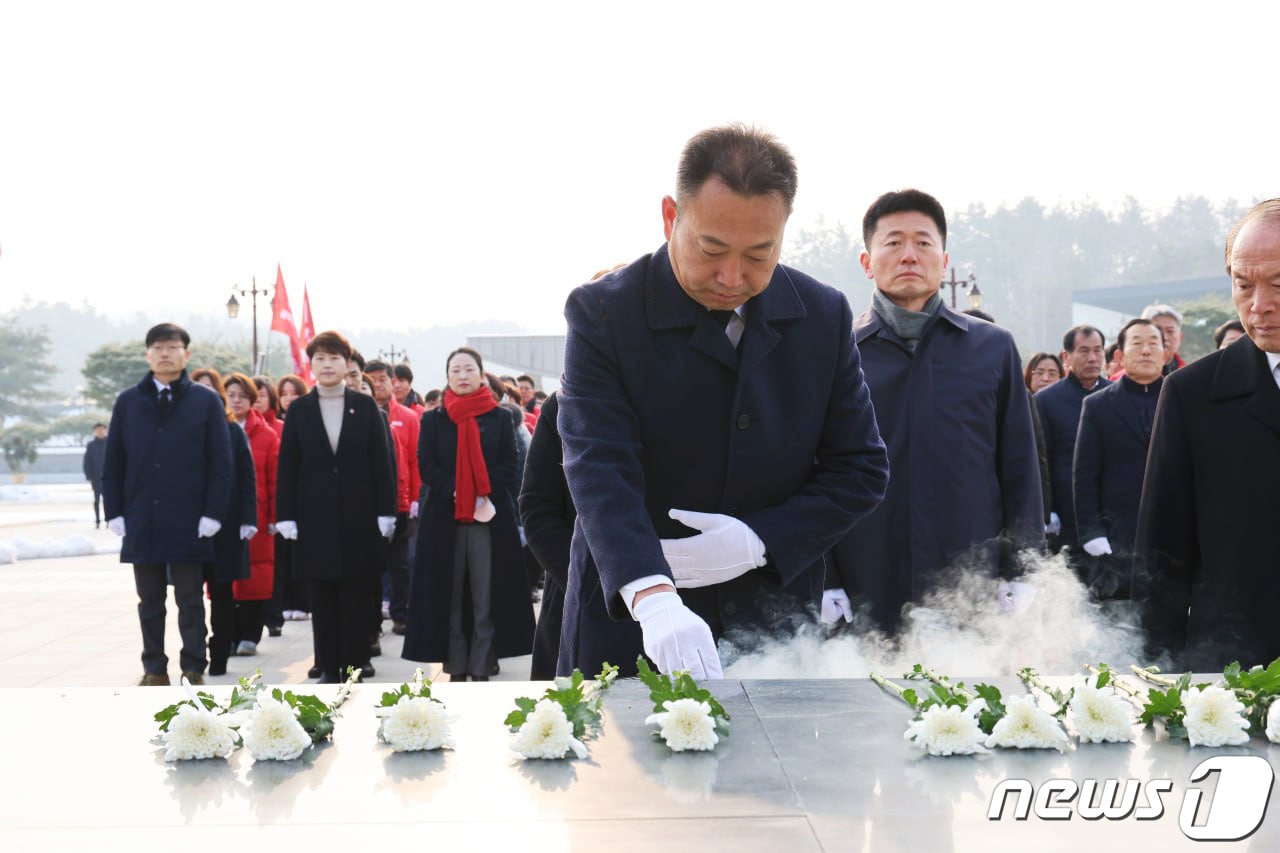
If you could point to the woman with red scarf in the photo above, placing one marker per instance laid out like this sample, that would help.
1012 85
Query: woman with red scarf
469 602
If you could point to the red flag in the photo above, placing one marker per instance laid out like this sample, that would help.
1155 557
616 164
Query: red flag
308 331
282 321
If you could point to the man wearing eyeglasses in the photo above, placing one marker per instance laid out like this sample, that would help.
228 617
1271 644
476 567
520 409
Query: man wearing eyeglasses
166 477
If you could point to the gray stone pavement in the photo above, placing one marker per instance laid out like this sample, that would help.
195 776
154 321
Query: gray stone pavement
72 621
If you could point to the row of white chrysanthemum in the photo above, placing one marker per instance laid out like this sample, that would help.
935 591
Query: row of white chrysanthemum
280 725
953 720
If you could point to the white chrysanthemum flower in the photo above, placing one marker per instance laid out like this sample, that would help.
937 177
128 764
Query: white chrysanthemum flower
1100 716
1026 725
686 724
948 730
415 723
1273 722
547 733
197 733
1215 717
274 733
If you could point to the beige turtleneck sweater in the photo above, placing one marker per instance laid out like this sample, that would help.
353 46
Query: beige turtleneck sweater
331 402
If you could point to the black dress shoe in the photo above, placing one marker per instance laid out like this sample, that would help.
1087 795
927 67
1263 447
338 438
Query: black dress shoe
367 671
217 667
494 670
397 628
315 672
274 631
375 650
479 678
455 677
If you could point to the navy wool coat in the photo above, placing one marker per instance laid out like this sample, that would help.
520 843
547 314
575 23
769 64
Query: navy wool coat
965 490
1110 460
659 411
431 586
336 499
1059 409
230 552
1208 539
162 473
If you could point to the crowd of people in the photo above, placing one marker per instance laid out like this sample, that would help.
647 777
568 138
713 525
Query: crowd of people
732 450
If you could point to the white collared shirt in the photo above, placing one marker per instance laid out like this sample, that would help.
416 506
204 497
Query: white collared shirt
160 386
1273 359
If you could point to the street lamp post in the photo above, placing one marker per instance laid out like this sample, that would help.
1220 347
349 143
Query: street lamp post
969 284
233 310
394 356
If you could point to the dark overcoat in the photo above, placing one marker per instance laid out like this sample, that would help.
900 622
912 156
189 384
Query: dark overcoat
1110 459
659 411
1208 544
230 552
94 455
335 499
965 490
163 472
1059 410
431 585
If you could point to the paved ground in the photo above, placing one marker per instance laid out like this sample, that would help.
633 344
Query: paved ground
72 621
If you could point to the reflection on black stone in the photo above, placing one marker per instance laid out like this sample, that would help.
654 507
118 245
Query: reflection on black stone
550 774
201 785
274 785
690 777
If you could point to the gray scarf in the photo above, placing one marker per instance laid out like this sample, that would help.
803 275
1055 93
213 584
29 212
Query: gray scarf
908 325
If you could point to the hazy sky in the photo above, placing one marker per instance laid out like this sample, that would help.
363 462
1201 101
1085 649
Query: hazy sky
422 165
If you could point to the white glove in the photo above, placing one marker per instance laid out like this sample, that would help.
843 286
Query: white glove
413 510
248 531
725 549
208 527
1015 596
676 638
271 530
1097 547
1055 524
287 529
835 605
387 525
116 525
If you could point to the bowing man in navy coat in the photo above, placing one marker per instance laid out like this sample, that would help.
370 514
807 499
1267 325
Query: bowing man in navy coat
1208 531
1110 458
952 405
713 455
166 481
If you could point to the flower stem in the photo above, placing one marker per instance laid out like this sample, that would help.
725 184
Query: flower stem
888 686
943 681
1148 674
1132 693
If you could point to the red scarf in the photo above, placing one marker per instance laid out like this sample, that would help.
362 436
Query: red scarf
471 477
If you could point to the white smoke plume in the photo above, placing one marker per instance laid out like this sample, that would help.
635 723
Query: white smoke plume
963 630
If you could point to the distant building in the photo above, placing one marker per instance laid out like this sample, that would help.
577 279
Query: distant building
1109 308
540 356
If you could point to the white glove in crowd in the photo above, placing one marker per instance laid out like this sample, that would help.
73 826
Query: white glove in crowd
413 510
207 527
1097 547
287 529
836 606
248 531
725 549
1015 596
676 638
387 525
1055 524
116 525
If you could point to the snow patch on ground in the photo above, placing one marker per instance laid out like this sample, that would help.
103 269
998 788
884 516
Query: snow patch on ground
22 548
27 494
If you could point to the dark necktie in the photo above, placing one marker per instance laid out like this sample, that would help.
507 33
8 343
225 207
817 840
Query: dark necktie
722 317
166 399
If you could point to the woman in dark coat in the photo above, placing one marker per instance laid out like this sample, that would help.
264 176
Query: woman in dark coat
469 602
230 546
336 495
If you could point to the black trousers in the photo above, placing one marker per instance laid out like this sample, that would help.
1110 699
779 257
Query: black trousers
222 622
398 566
151 581
340 622
249 617
97 502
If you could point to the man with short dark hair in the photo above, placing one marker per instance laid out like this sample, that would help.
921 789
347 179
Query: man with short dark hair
965 485
431 400
404 433
1110 458
527 389
1208 537
1059 407
718 437
94 455
402 388
355 371
166 478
